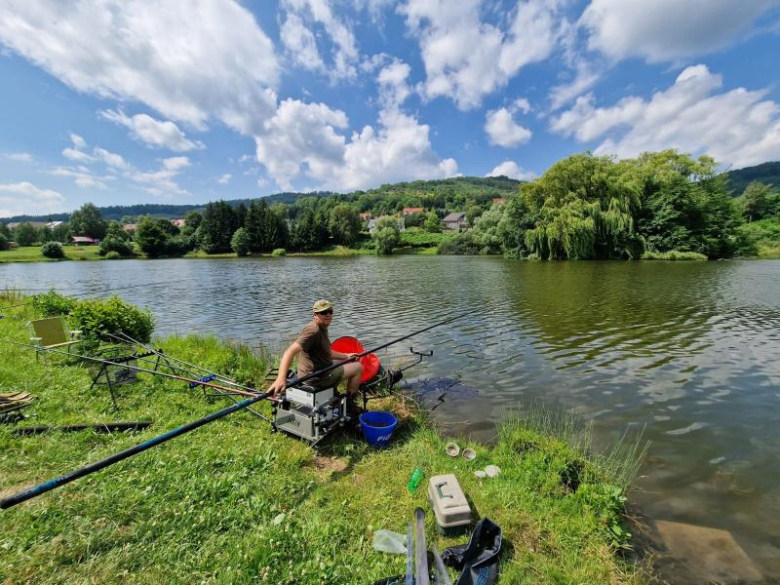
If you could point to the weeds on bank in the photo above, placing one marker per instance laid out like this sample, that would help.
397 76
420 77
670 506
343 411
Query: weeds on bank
233 502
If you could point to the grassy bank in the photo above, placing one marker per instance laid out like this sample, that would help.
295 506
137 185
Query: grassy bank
234 503
33 254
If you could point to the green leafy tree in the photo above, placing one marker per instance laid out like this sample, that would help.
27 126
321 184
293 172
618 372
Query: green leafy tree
151 238
755 201
5 231
116 240
584 206
25 234
432 223
345 224
87 221
472 213
3 242
686 205
61 233
240 242
387 236
193 219
515 221
486 234
219 225
414 220
45 234
256 227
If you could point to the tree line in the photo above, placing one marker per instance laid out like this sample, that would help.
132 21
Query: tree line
596 207
584 207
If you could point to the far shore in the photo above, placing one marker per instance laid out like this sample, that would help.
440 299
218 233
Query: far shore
90 253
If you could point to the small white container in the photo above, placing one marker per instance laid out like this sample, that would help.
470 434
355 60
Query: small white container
452 449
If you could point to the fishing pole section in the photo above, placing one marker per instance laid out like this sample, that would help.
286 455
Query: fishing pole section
227 386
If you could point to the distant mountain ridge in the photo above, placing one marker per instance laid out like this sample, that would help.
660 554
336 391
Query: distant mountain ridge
767 173
502 186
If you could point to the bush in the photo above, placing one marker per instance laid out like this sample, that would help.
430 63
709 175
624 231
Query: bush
52 250
387 235
3 242
240 242
673 255
461 245
113 255
116 240
177 246
279 252
52 304
95 316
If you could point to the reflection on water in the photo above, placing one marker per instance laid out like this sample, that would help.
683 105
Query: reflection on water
688 351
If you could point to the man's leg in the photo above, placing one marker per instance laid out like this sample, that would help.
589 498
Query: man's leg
353 371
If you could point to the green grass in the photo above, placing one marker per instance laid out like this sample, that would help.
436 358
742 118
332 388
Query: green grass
234 503
33 254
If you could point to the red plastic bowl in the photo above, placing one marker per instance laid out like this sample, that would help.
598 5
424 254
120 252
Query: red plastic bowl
370 362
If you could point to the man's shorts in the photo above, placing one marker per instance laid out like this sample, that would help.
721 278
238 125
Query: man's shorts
328 380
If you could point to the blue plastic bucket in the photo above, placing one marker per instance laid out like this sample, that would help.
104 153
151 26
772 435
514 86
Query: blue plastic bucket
378 427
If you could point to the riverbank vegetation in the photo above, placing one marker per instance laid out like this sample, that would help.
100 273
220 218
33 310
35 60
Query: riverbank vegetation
661 205
234 503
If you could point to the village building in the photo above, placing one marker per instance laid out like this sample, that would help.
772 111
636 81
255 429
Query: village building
83 241
455 221
411 210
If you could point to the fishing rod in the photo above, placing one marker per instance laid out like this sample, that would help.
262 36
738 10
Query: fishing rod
47 486
125 338
133 368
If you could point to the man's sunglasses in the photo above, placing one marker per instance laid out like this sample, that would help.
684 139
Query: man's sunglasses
325 312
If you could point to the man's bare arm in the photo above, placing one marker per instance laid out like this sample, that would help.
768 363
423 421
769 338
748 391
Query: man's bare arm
284 366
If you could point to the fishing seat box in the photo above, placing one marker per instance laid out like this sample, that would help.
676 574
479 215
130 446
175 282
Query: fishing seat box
450 506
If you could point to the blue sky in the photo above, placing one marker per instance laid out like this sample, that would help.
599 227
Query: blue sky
186 101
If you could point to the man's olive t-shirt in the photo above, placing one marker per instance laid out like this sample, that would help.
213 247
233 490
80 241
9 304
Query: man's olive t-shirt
316 349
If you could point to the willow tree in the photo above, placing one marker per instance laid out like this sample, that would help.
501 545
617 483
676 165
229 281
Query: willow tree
584 208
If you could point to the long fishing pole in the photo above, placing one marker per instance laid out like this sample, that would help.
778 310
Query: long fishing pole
133 368
125 338
42 488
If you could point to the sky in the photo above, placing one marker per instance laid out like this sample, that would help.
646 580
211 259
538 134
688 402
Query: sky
118 102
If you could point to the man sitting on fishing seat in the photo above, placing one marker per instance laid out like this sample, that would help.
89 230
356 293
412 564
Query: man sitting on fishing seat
314 353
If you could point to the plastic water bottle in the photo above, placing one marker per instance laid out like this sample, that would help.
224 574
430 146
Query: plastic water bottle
415 480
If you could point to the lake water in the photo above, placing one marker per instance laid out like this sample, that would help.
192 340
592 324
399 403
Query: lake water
688 351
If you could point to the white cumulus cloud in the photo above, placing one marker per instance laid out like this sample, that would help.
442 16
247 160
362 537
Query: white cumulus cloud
509 168
465 58
503 130
190 61
737 127
301 42
667 30
25 198
224 179
152 132
20 157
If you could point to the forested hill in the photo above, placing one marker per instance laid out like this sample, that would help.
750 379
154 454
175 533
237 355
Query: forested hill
767 173
457 189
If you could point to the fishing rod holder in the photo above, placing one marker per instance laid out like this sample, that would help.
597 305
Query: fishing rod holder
390 378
